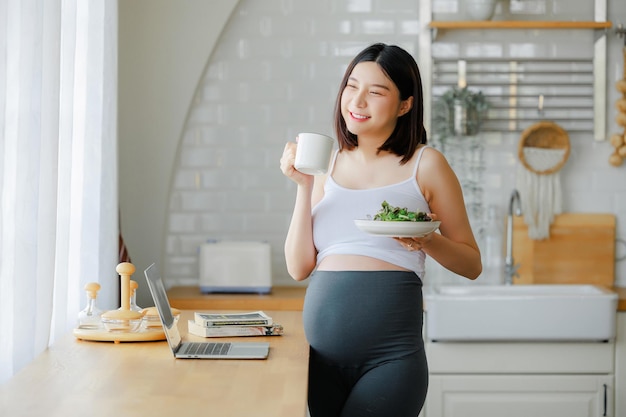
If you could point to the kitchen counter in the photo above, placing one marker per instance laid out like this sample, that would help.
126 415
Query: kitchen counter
621 293
281 298
103 379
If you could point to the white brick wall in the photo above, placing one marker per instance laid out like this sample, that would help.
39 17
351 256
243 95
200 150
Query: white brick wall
275 73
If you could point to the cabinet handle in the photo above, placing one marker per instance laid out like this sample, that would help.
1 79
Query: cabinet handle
605 400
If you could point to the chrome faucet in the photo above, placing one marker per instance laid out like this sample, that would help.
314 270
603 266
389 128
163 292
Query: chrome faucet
510 269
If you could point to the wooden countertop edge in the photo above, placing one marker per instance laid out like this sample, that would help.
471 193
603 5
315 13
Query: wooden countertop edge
281 298
621 298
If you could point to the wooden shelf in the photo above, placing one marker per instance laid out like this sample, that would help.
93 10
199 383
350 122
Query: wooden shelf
518 24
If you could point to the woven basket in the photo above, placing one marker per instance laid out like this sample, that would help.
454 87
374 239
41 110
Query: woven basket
544 135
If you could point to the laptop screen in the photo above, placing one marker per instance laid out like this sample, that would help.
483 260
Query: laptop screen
157 289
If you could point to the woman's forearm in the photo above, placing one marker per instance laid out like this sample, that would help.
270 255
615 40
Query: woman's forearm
300 253
458 257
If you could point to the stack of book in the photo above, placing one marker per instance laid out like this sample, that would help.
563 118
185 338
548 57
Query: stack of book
255 323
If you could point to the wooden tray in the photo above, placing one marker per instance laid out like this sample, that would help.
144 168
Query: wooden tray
105 336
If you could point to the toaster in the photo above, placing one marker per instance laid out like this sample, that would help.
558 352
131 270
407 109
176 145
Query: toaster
235 267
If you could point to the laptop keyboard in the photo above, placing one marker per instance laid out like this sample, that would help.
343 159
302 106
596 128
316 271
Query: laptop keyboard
192 348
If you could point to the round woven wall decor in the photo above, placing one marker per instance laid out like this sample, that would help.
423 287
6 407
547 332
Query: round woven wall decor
544 148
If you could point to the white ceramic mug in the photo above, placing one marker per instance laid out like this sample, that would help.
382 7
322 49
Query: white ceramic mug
313 153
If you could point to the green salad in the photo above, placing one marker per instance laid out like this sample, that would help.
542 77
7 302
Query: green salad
390 213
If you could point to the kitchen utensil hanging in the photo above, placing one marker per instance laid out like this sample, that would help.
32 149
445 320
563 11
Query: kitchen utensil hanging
543 150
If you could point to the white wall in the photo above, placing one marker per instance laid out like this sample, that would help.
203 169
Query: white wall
164 47
274 72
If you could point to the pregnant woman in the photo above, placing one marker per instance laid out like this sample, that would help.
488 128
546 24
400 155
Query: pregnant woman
363 305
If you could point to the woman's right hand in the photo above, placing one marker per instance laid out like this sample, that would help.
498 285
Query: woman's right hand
287 162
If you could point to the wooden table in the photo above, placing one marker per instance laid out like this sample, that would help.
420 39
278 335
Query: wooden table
281 298
82 378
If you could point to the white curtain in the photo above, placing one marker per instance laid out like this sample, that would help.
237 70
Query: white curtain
58 169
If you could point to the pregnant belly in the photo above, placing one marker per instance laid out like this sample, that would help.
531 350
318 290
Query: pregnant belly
356 263
356 317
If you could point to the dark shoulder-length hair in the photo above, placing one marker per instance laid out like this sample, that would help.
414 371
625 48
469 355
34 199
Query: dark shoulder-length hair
402 69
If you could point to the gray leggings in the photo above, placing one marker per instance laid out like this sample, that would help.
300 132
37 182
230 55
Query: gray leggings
367 353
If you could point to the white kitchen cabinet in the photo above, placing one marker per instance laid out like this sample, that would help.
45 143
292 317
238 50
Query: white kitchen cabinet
521 379
620 365
519 396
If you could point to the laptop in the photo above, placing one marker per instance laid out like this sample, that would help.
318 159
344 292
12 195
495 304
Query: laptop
196 350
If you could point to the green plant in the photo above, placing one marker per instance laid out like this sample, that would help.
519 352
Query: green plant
459 112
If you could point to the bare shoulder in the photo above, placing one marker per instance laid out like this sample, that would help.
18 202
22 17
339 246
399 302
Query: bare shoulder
435 176
433 156
433 162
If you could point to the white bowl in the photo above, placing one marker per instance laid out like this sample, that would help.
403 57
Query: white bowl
480 9
397 229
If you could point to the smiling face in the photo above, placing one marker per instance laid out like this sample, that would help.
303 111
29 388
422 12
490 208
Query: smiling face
371 103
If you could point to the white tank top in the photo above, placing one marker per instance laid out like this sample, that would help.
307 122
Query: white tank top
334 231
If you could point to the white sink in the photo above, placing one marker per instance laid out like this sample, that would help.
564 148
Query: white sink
520 313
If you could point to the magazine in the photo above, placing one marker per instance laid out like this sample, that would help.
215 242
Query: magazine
255 318
233 331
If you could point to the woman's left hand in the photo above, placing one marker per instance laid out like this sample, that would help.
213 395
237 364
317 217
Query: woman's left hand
416 243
